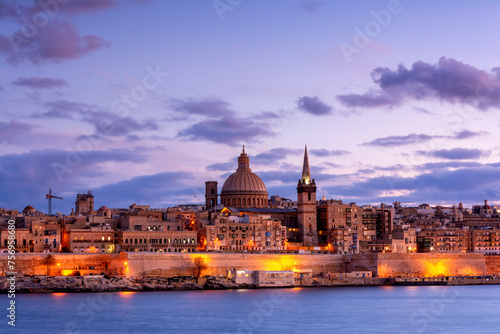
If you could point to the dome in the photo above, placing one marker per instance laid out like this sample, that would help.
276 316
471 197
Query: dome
29 209
244 188
244 181
103 208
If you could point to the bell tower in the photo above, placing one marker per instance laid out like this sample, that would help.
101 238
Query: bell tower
210 194
306 206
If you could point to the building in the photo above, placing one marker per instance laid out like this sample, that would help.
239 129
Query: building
84 203
244 233
157 241
92 240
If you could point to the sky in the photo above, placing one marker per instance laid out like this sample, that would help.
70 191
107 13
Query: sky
144 101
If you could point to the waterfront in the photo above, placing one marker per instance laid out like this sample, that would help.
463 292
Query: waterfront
386 309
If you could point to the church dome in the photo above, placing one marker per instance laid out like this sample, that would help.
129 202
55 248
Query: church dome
103 208
243 181
244 188
29 209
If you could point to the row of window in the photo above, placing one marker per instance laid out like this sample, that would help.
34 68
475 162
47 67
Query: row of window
159 241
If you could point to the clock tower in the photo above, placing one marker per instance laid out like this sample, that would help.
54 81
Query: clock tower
306 206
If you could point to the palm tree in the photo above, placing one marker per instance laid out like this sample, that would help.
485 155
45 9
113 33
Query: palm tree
49 261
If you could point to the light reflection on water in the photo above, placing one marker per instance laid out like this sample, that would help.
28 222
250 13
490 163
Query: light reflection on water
425 309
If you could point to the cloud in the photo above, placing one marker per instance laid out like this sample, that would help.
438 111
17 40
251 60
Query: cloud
229 130
54 41
104 122
223 166
11 131
205 107
221 124
29 175
414 138
313 105
274 155
42 83
328 153
449 80
156 190
466 185
456 154
367 100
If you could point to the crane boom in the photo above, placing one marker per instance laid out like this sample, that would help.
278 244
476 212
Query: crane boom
50 196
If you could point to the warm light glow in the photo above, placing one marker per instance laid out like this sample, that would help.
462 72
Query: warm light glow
58 264
125 263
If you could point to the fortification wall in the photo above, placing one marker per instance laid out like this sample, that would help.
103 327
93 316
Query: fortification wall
427 265
219 263
493 264
177 264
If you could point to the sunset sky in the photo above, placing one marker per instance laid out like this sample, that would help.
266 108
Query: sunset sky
144 101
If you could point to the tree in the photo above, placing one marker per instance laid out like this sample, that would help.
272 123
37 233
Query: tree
198 266
49 261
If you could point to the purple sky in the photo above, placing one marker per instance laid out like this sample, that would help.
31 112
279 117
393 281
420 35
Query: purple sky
142 101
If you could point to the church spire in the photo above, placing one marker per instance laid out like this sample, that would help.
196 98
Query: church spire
243 160
306 173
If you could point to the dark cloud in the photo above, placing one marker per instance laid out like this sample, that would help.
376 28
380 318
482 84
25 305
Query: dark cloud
328 153
42 83
11 131
414 138
449 80
466 185
205 107
313 105
229 130
157 190
29 175
456 154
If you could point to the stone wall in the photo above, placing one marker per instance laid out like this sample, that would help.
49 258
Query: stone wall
169 265
430 265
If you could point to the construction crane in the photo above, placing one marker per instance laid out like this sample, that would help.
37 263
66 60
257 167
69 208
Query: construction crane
50 196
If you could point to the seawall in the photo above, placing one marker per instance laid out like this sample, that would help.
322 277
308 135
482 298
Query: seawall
170 265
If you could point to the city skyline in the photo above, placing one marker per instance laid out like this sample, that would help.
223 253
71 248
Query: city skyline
143 102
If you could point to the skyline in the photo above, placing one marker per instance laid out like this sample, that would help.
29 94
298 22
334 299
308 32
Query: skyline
142 102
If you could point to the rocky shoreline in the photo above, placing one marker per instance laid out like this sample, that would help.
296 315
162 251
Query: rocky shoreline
98 283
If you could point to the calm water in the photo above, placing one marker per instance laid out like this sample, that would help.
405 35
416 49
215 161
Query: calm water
465 309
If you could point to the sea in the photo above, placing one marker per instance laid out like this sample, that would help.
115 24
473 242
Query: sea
380 309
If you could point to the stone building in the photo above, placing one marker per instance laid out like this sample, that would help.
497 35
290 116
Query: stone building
157 241
244 233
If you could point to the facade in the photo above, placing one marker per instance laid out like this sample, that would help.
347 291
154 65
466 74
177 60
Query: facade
45 237
91 241
244 233
157 241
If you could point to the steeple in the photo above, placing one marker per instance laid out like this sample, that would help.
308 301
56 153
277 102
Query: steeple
306 173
